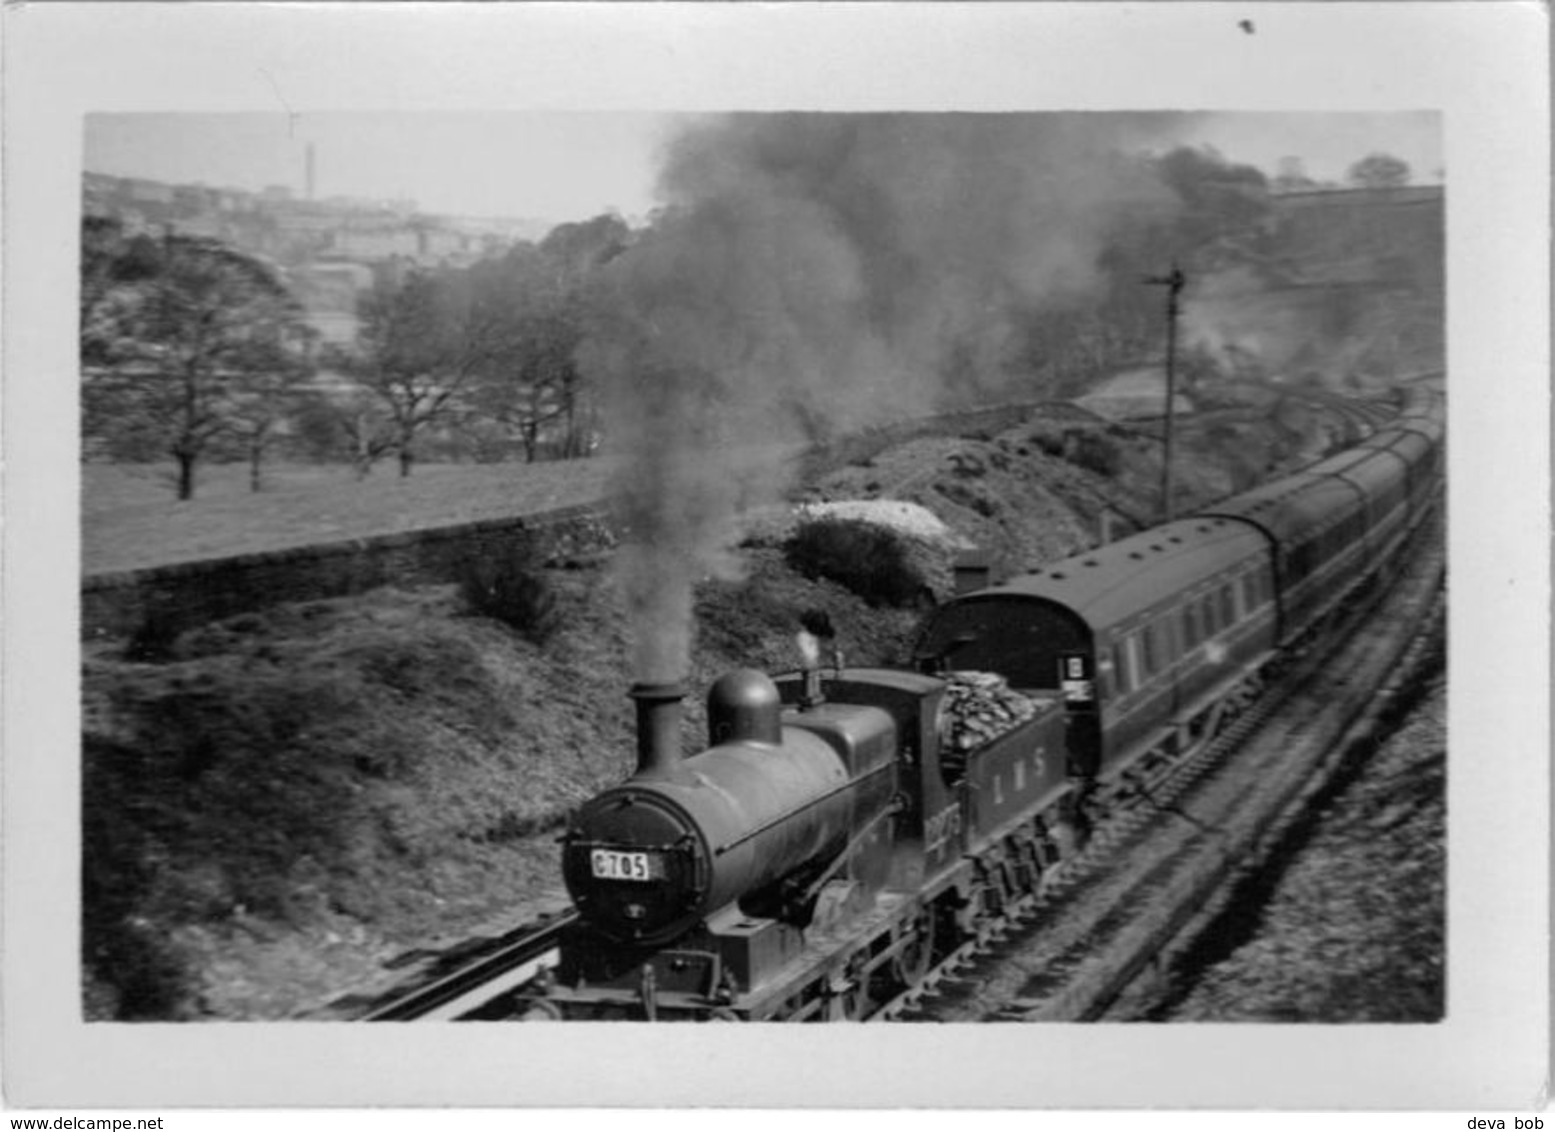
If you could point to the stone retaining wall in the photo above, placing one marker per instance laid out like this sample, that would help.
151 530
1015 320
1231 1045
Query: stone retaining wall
186 594
169 599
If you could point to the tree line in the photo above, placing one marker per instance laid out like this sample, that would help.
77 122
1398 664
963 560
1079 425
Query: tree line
195 351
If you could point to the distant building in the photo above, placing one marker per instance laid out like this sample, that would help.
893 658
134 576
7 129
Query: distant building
334 328
329 293
376 242
440 243
330 250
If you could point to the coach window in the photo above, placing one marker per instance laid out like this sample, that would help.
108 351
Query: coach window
1190 626
1120 682
1130 650
1160 645
1147 644
1250 591
1227 605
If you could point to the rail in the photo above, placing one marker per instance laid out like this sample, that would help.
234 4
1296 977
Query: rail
462 992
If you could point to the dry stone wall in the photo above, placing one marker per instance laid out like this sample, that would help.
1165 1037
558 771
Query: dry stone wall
186 594
182 595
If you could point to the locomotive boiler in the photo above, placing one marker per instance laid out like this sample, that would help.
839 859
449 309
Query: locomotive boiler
767 802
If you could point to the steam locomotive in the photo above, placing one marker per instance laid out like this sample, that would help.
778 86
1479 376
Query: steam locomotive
847 826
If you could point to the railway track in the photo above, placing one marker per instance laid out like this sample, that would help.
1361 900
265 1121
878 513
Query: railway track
463 993
1095 941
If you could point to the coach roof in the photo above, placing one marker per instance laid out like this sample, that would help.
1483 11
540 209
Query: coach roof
1111 584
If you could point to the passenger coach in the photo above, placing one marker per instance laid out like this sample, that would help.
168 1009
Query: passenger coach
1142 638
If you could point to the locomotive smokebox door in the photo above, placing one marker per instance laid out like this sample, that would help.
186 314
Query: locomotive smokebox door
1077 681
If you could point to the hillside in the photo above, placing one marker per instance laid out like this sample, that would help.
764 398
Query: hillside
1351 295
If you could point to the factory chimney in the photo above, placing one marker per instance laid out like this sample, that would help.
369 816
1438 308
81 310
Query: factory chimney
658 728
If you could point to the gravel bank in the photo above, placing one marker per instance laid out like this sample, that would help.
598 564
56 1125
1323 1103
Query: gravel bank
1354 925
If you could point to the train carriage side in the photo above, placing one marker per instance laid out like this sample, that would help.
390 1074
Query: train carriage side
1315 526
1380 473
1417 440
1337 520
1137 637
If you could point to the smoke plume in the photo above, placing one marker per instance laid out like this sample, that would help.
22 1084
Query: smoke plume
1348 334
814 273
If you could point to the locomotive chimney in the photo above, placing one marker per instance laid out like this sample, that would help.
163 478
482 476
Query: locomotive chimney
658 727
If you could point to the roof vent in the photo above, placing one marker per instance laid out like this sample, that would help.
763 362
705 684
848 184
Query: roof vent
1175 539
1134 554
1092 562
1056 574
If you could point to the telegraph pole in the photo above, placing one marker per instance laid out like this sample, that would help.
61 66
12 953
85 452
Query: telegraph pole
1174 284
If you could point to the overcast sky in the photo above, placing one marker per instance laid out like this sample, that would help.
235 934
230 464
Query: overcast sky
554 166
565 166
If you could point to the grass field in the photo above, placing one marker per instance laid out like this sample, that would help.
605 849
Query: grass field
130 518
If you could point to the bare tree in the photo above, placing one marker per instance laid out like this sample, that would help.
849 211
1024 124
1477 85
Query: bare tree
177 334
265 389
421 344
368 430
537 302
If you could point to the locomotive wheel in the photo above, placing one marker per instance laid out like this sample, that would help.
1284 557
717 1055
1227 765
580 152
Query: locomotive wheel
854 1001
911 963
1031 868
